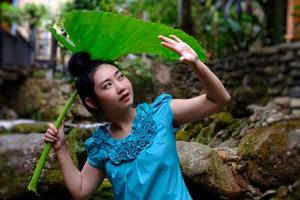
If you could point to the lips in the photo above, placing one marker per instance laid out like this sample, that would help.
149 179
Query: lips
124 96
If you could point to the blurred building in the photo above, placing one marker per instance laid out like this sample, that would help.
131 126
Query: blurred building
12 36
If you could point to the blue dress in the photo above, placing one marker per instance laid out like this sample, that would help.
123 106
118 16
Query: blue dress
145 164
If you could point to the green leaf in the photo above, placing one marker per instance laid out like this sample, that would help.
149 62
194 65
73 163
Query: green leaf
109 36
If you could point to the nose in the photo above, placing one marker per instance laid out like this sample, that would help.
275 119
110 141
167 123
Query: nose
119 87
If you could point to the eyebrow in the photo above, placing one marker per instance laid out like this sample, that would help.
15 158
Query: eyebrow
108 78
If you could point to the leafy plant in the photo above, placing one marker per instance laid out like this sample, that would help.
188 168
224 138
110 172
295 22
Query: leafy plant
9 13
109 36
137 71
164 11
229 26
34 14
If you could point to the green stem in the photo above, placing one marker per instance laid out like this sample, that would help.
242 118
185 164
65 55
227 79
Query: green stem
32 186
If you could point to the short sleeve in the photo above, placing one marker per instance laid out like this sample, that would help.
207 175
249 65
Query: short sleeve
95 156
162 111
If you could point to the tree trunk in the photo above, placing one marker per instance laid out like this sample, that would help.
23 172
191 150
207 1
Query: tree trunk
275 11
184 16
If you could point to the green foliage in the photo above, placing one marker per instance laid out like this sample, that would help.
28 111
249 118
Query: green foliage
34 14
31 13
226 31
109 36
137 71
9 13
164 11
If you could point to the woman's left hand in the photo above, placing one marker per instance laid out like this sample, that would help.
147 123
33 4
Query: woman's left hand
186 53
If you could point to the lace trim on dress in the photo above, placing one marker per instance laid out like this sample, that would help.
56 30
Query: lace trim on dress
127 148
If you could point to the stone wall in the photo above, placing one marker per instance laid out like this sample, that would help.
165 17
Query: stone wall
272 71
276 68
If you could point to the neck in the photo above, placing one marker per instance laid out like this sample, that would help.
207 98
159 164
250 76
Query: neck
122 121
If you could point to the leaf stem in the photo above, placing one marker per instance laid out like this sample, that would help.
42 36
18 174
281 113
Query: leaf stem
32 186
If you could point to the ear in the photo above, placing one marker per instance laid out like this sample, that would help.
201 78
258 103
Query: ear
92 103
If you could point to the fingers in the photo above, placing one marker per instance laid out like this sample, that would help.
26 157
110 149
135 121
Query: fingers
51 133
51 126
175 38
50 138
171 47
182 59
167 40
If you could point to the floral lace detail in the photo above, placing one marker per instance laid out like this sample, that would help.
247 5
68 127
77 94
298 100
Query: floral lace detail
125 149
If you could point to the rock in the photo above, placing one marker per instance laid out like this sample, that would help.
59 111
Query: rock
79 111
295 73
284 101
268 194
231 142
243 97
296 112
105 192
222 120
295 103
203 166
76 138
287 57
295 64
295 92
18 157
269 71
7 113
44 100
272 153
37 127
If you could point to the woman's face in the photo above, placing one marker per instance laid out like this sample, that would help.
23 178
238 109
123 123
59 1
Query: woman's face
113 89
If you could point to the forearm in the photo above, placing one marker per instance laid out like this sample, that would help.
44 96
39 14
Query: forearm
213 87
71 174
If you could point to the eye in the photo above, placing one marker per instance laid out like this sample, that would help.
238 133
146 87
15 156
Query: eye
107 85
120 77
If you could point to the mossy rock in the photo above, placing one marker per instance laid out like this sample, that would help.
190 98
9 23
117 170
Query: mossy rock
39 127
242 98
39 74
19 154
206 134
51 113
105 192
182 135
222 120
272 153
29 99
76 138
235 125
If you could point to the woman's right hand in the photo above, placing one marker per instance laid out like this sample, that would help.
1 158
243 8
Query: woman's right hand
57 137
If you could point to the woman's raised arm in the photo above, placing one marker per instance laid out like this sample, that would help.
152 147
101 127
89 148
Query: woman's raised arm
215 97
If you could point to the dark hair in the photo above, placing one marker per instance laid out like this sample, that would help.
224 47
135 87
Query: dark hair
83 68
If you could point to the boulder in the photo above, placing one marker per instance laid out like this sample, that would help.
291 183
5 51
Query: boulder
204 167
19 154
272 153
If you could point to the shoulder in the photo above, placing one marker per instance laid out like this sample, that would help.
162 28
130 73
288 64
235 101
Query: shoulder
161 99
161 102
161 107
97 147
97 134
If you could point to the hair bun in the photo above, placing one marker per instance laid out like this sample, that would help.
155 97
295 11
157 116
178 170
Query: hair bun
79 63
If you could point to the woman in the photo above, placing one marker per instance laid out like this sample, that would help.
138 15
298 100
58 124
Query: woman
137 149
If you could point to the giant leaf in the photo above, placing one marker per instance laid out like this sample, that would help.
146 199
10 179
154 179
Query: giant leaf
109 36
